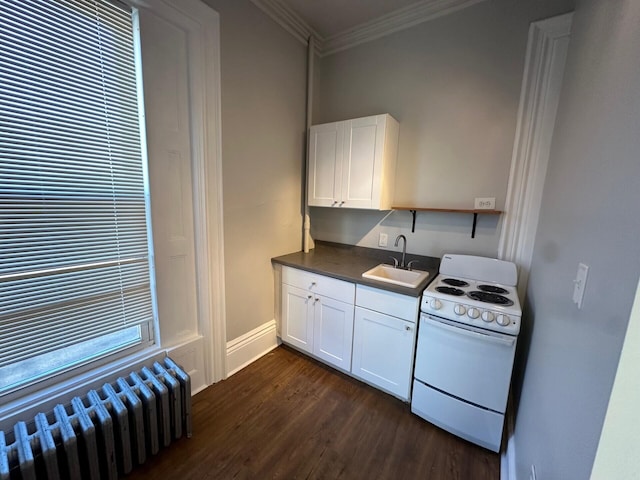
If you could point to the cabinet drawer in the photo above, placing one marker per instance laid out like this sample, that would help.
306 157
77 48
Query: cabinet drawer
314 283
390 303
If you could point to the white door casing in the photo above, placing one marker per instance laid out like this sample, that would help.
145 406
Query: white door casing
181 70
542 82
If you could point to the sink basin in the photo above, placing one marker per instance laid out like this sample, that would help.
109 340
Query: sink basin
397 276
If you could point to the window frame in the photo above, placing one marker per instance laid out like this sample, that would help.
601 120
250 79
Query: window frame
88 367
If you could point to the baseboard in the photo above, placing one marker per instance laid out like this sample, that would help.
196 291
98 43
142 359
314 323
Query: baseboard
190 356
249 347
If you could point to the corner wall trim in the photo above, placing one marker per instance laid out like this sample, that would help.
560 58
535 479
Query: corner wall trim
541 85
249 347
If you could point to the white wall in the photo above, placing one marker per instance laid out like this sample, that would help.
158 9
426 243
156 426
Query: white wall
263 124
453 84
617 455
588 215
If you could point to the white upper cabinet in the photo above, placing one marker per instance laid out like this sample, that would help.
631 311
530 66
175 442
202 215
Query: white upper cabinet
352 163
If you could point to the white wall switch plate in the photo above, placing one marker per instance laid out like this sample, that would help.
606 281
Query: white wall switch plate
485 203
579 284
383 240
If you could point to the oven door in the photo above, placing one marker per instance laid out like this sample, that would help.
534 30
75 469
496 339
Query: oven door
469 363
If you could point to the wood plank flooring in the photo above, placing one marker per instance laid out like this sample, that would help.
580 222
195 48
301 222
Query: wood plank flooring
289 417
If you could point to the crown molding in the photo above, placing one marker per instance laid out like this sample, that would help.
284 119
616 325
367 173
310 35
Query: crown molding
400 19
282 14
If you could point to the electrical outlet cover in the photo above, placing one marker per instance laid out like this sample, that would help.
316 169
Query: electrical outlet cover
485 203
383 240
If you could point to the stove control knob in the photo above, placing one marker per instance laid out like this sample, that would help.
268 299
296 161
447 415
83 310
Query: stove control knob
473 313
459 309
488 316
503 320
435 304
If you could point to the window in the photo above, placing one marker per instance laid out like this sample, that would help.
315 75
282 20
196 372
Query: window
75 246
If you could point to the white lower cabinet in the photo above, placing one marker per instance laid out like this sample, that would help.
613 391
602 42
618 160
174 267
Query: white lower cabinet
373 340
317 316
333 332
383 344
297 317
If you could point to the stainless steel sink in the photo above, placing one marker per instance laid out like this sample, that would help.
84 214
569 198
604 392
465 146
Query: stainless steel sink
397 276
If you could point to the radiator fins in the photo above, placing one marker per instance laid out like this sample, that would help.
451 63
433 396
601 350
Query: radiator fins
104 434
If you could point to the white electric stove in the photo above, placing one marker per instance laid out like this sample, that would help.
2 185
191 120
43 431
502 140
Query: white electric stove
469 322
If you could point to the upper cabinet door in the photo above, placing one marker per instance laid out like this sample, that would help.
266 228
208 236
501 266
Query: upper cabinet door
325 164
352 163
362 162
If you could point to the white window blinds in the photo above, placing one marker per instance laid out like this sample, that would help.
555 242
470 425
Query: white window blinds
74 250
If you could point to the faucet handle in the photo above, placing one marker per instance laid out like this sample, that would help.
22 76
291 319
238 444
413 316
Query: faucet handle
409 264
395 262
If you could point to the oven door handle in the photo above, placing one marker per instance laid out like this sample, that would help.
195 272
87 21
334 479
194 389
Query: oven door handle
487 337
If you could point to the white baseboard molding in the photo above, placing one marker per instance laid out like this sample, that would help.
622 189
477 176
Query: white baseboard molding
190 356
249 347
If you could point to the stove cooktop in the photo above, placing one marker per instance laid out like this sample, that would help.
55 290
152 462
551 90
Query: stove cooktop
489 301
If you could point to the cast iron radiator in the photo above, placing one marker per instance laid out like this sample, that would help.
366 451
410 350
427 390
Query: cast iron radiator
105 433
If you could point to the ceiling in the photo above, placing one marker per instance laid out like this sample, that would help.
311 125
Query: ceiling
336 25
329 17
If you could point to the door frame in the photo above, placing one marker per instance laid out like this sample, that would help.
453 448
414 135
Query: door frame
206 164
539 98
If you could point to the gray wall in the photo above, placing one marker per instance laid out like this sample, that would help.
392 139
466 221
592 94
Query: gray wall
589 214
263 131
454 85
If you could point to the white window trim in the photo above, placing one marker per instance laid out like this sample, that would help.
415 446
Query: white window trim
208 218
206 147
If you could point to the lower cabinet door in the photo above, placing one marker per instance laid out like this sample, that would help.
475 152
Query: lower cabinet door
333 331
297 317
383 348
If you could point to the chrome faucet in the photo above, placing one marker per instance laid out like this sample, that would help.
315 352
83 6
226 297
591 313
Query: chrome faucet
404 248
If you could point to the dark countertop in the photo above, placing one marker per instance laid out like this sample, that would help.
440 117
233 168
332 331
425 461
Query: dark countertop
348 262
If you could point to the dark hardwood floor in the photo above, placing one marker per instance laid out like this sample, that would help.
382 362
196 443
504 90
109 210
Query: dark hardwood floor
288 417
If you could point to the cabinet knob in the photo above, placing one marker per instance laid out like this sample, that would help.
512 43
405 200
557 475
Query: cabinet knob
335 202
407 328
309 297
342 203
